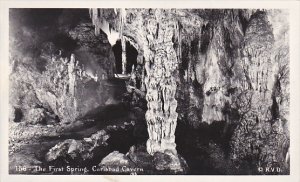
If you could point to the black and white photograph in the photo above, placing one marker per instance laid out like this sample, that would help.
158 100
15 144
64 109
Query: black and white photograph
149 91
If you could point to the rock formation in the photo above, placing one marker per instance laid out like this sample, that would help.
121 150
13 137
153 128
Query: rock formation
194 68
160 66
65 85
160 81
87 148
227 65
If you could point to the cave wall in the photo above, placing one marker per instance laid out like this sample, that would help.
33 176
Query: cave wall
58 76
193 66
233 66
224 56
235 59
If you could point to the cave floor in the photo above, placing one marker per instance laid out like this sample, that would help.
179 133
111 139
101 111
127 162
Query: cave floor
28 144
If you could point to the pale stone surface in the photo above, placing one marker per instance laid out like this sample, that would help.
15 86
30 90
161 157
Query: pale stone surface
36 115
116 159
169 161
78 149
160 82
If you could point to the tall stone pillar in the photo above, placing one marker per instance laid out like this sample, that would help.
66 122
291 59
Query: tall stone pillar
160 64
72 75
124 63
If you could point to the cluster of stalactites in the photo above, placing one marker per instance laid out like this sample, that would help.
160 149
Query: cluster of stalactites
101 23
161 64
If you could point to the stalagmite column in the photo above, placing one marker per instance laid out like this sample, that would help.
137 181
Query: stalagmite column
123 41
124 63
72 75
156 31
160 64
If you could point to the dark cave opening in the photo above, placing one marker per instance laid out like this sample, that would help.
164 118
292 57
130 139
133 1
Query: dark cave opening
63 41
205 146
18 115
131 56
274 110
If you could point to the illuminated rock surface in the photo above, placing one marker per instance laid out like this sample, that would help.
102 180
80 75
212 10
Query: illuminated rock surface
218 80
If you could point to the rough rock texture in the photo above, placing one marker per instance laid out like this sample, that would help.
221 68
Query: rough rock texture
158 163
139 161
79 150
197 67
139 155
87 148
160 82
264 92
94 51
234 51
266 143
76 91
36 115
64 88
116 159
232 66
168 161
65 73
160 65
